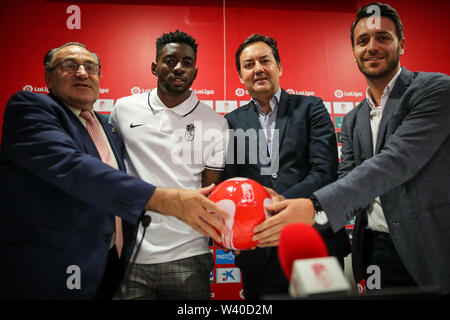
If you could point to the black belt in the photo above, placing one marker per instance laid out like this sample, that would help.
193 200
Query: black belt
377 235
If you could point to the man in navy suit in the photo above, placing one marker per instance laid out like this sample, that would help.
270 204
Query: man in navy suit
59 200
285 142
395 170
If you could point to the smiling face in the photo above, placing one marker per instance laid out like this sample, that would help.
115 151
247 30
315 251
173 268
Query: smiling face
175 69
260 73
79 89
377 51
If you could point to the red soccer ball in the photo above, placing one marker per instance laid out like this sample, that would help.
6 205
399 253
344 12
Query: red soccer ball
244 200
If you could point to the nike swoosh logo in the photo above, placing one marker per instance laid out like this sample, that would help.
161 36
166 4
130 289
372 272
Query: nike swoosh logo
135 125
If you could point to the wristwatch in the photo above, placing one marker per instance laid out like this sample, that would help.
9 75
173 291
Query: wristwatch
319 215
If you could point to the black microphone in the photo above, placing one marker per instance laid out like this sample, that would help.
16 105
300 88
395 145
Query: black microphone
145 221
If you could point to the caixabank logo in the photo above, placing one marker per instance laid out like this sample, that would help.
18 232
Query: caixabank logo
228 275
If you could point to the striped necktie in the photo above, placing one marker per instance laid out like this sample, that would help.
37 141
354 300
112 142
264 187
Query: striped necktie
96 132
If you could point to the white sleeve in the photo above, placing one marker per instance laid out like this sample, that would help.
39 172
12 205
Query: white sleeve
113 118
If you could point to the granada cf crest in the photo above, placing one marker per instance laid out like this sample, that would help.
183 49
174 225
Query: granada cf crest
322 275
190 132
247 192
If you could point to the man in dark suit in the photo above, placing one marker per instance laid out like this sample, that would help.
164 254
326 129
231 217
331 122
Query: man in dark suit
68 216
285 142
395 170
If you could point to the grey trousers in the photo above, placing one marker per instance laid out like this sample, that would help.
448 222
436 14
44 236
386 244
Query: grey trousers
184 279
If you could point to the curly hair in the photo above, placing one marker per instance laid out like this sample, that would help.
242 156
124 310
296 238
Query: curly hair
175 37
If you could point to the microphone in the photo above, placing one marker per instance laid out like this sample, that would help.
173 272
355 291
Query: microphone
299 241
145 221
304 259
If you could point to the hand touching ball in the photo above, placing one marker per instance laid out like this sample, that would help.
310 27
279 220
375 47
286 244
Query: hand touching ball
244 199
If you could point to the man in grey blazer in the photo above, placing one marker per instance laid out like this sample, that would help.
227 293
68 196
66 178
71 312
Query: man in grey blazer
395 170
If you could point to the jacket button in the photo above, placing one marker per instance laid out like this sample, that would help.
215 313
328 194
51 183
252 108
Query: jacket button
274 175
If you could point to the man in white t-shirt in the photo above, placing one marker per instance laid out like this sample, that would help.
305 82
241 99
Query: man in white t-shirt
172 140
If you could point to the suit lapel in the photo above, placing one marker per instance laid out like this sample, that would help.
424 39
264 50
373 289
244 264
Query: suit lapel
254 124
364 130
111 134
251 117
282 115
393 102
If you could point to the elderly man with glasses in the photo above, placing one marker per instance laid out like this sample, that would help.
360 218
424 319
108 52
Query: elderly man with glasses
68 216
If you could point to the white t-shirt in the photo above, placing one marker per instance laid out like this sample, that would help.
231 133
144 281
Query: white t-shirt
170 147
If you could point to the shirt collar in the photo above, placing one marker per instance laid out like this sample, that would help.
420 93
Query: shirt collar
386 92
77 111
274 101
183 109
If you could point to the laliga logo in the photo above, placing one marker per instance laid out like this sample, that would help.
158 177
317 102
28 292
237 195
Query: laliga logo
339 93
240 92
135 90
30 88
302 92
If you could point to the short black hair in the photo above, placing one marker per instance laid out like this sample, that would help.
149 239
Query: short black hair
385 11
175 37
256 37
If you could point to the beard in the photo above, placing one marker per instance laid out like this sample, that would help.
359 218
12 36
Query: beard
391 66
174 90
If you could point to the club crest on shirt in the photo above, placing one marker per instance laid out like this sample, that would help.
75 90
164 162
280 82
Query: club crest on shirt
190 132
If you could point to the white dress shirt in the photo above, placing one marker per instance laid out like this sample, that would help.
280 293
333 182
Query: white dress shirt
375 216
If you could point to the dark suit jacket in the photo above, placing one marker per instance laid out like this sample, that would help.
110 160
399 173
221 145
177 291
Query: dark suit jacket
58 201
307 161
410 172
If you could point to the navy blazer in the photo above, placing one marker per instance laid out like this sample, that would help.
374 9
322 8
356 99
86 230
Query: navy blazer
58 201
307 161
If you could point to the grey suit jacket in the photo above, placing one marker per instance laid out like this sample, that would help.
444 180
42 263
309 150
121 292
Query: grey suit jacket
410 171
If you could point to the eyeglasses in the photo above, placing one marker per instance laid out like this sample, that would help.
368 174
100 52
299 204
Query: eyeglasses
72 67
